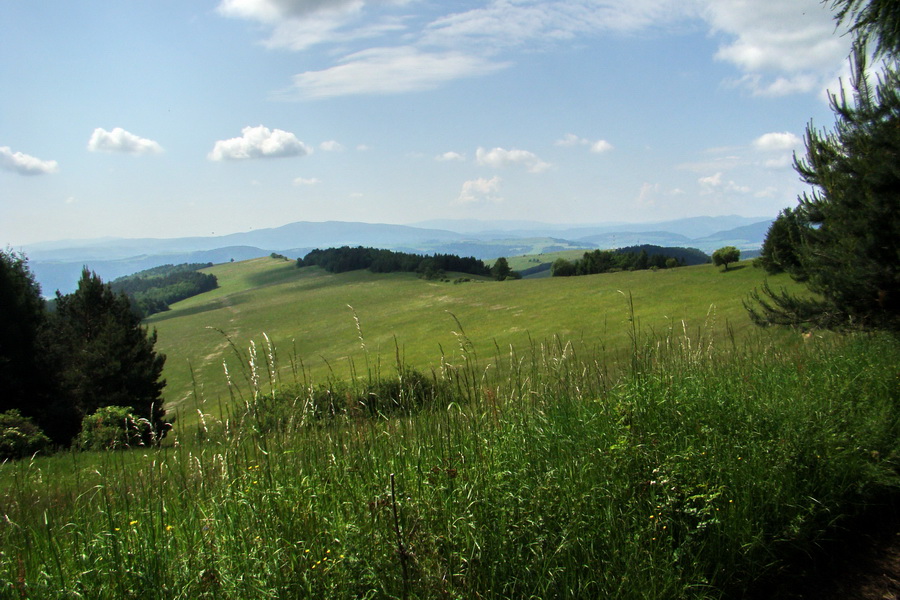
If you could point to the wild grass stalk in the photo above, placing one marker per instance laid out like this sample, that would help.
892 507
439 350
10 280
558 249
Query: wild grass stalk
540 473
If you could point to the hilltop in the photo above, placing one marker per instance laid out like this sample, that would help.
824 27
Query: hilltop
306 314
58 265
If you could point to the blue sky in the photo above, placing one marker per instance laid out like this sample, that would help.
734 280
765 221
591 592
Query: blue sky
170 118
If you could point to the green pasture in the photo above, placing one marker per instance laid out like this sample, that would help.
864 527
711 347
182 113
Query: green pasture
306 316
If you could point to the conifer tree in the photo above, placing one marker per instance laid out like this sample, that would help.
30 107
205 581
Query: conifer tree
21 319
848 227
109 357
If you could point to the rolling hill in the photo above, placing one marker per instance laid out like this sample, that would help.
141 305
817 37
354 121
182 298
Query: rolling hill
57 265
307 316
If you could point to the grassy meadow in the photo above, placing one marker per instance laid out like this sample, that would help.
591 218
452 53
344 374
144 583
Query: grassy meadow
615 436
306 315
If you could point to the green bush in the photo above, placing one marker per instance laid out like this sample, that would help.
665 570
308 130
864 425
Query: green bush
114 428
19 436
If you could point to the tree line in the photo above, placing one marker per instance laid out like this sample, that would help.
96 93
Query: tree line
843 237
632 258
345 258
60 366
153 290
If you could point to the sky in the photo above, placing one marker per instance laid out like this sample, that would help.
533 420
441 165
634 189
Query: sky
172 118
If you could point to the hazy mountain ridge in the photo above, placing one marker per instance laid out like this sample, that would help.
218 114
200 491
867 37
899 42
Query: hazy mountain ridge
58 265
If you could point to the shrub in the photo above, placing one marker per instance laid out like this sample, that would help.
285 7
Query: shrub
19 436
114 428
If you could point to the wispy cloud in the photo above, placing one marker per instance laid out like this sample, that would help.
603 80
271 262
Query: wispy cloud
450 156
500 157
307 181
331 146
598 147
25 164
388 71
259 142
777 47
716 184
119 140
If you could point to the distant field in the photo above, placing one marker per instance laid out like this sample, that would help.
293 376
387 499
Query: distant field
306 314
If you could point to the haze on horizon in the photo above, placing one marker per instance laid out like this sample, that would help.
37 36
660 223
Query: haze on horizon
168 119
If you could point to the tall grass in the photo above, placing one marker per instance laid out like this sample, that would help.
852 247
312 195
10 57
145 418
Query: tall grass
694 471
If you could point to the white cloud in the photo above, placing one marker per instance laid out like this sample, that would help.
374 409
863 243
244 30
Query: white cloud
499 157
715 183
259 142
119 140
777 142
310 181
781 47
778 149
331 146
601 146
480 190
502 23
570 139
300 24
388 71
450 156
24 164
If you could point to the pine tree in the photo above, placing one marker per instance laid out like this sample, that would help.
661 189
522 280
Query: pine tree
109 357
779 250
849 225
21 318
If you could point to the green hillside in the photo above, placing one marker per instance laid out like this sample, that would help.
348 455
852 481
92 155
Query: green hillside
306 315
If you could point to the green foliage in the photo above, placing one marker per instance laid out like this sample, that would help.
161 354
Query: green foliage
500 270
779 251
563 268
114 428
726 255
19 436
108 358
21 320
345 258
696 477
633 258
153 290
849 225
879 19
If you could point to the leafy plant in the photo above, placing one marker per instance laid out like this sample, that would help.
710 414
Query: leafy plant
19 436
114 428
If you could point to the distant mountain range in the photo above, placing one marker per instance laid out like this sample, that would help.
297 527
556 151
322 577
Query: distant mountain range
57 265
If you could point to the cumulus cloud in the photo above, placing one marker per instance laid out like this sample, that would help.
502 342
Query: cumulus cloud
778 149
450 156
781 47
305 181
570 139
480 190
24 164
259 142
119 140
777 142
388 71
499 157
